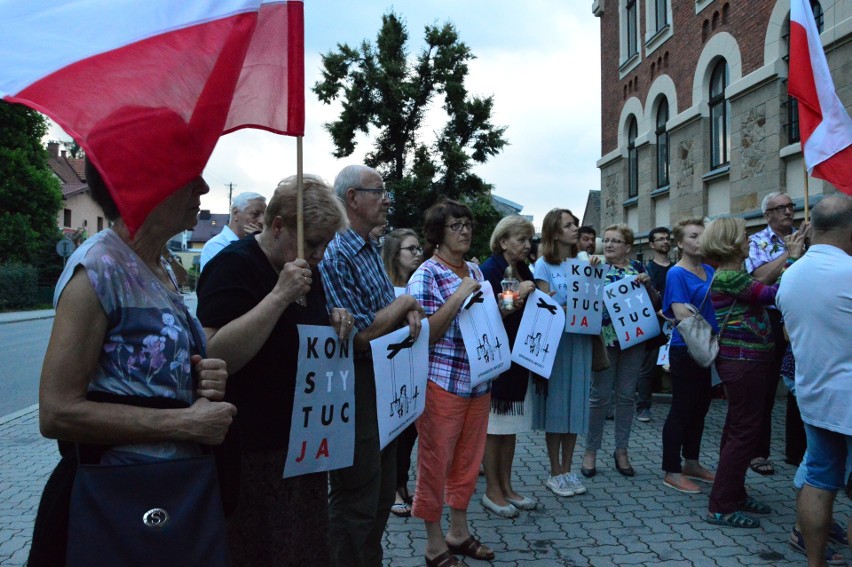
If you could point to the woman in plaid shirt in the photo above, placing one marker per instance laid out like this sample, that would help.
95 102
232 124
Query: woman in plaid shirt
453 426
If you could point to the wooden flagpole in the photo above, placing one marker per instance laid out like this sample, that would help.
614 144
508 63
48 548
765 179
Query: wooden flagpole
807 198
300 217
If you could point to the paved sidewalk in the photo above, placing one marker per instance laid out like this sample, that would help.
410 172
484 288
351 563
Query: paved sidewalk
620 521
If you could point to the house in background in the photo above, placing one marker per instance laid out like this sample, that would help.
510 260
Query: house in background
695 116
80 216
592 212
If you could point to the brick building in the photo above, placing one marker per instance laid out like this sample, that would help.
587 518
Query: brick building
695 117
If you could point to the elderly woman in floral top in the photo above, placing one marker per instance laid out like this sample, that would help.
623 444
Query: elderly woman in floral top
123 338
454 423
744 363
619 380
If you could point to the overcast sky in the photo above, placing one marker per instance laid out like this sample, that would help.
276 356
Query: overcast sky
540 59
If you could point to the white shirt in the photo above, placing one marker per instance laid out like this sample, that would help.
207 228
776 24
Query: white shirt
815 297
216 244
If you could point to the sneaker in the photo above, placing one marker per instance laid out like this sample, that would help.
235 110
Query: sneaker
558 486
573 483
643 415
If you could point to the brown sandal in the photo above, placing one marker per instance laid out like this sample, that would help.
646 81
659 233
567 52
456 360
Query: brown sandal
473 548
445 559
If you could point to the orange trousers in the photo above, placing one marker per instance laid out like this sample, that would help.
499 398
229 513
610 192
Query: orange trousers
451 441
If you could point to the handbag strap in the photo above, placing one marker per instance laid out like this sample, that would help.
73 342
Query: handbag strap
728 316
709 287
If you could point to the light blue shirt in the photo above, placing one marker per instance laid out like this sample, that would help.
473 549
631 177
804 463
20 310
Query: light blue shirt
217 244
815 297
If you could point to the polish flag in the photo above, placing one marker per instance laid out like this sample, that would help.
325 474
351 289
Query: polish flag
146 87
824 126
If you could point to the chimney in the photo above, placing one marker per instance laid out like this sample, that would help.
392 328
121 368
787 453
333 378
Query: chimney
64 154
53 149
204 214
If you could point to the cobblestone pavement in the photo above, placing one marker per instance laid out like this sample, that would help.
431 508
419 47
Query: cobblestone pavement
620 521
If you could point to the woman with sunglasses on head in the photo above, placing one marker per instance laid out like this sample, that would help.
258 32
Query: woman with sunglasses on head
511 406
401 254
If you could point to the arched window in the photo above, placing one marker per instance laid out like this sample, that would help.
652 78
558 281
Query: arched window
632 161
662 144
719 128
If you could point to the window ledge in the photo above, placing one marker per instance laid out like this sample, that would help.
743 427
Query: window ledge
660 192
659 38
628 65
631 202
719 172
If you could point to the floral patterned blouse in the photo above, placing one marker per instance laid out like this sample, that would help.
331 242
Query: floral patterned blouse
149 340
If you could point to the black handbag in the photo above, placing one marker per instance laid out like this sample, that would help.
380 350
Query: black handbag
160 513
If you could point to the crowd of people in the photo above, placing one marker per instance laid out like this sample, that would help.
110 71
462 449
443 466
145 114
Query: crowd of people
123 332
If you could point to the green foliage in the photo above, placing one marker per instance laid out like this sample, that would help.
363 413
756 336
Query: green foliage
487 218
29 192
18 285
387 93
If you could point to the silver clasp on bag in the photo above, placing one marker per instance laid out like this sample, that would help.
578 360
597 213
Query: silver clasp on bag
155 518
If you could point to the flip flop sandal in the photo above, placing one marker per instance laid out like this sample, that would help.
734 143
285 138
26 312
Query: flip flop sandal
832 558
837 534
401 510
763 467
472 548
734 520
753 506
445 559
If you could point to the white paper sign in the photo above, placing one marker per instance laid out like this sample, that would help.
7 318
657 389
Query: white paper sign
485 339
663 356
322 427
633 316
542 326
584 302
401 367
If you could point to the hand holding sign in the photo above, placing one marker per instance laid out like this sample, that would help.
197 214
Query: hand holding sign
484 336
633 317
538 336
401 366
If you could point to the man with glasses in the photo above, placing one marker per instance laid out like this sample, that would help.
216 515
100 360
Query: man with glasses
361 496
767 253
660 241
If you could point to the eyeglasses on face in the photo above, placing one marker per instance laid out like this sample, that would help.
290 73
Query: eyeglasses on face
662 239
781 208
413 250
612 241
382 193
460 226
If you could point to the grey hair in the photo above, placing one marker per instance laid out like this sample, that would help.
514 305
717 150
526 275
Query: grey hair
350 176
765 203
832 214
241 201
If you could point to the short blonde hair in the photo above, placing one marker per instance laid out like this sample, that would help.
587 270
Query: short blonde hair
679 230
723 239
320 205
508 227
625 231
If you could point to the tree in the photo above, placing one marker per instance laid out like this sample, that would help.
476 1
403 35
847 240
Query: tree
29 192
386 93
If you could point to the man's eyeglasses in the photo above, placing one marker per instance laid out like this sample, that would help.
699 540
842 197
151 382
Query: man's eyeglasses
413 250
382 193
460 226
662 239
781 208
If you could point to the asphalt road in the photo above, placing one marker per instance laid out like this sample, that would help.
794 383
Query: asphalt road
22 348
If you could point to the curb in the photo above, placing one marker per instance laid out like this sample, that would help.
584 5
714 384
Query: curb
20 413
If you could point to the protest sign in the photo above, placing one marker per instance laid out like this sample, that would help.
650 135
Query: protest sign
485 339
633 316
322 427
663 355
542 325
401 366
584 301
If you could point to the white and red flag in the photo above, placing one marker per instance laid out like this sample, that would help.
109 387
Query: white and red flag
824 126
146 87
